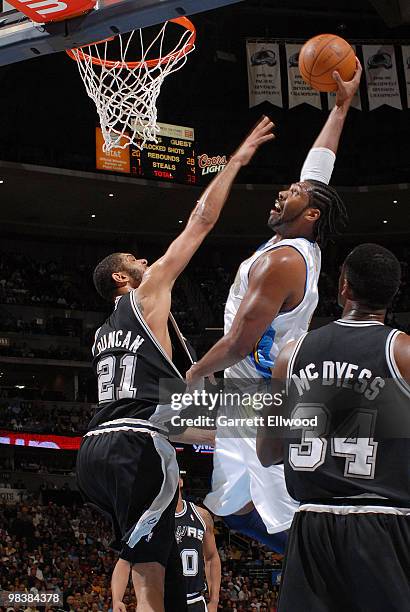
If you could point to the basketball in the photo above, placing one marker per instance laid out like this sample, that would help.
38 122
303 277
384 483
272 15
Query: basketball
323 54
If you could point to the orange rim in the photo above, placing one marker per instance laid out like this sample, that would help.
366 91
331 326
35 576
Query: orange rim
79 55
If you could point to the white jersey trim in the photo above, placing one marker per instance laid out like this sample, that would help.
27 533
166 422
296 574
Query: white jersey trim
292 359
333 509
133 421
97 432
181 338
196 599
95 340
391 362
183 511
360 496
170 477
352 323
274 247
194 508
141 319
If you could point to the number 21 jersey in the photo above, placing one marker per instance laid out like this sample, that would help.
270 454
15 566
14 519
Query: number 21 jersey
131 365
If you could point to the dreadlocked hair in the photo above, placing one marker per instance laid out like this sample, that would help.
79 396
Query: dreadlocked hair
333 218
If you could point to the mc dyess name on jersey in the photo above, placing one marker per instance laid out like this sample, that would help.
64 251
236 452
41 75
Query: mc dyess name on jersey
339 374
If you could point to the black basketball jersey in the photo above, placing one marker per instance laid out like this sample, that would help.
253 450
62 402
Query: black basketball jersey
129 364
190 530
345 376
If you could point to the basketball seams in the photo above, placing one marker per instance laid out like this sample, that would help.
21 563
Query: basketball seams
321 46
307 73
327 83
348 52
318 51
325 45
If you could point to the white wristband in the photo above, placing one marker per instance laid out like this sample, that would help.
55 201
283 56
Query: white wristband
318 165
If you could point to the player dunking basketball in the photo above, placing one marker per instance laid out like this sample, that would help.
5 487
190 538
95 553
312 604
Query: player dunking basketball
349 544
126 465
271 303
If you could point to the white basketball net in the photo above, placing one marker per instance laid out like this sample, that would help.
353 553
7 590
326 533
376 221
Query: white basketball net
126 96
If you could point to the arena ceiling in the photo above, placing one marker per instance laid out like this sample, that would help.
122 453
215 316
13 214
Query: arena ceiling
45 200
49 201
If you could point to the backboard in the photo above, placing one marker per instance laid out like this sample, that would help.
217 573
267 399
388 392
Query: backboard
22 39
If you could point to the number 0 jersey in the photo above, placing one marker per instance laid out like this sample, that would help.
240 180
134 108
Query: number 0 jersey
190 530
345 374
286 326
130 365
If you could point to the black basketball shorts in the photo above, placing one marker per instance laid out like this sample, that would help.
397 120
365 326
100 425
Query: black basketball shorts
121 474
197 605
347 560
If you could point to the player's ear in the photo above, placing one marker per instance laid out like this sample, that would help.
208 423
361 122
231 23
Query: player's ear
345 290
120 278
348 290
312 214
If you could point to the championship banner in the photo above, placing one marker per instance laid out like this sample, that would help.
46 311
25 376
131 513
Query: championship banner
299 91
381 76
406 64
40 440
356 102
264 82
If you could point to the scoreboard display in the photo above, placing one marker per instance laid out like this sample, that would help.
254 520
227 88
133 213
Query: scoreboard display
171 158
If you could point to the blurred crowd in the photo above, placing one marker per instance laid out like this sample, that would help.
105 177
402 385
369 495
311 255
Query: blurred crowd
63 549
36 416
59 285
215 283
24 280
23 349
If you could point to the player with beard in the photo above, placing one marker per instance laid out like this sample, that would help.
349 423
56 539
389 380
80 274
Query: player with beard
126 466
270 303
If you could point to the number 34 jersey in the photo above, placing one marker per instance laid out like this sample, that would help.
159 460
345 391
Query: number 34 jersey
345 376
190 530
131 366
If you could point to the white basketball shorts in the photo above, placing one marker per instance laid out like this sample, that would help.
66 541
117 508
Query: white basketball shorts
239 478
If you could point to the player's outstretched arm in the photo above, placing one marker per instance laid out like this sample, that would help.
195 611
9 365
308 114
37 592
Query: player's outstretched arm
212 562
269 448
321 157
154 293
166 270
271 283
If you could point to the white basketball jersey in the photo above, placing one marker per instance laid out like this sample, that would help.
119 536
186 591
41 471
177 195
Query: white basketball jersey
286 326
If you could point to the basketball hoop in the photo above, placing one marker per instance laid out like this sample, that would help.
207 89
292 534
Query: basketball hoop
125 92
